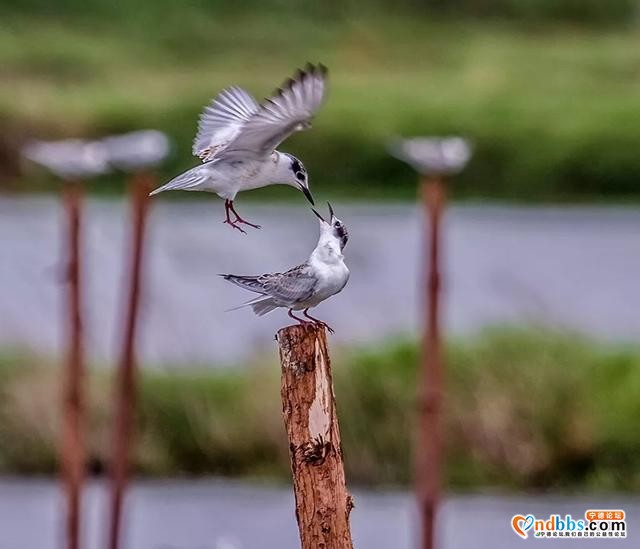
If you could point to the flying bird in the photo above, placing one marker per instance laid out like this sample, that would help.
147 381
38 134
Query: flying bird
237 137
323 275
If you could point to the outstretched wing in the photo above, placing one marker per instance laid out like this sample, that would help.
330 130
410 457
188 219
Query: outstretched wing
286 288
290 109
222 120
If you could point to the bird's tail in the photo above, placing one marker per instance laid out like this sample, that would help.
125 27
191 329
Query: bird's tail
187 181
261 305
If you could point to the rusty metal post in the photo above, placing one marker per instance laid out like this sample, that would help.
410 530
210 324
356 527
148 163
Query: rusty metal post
125 388
72 454
429 454
323 503
434 158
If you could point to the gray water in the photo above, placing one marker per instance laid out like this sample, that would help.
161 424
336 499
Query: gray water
210 514
575 268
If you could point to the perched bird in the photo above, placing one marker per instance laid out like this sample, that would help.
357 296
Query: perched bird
237 138
324 274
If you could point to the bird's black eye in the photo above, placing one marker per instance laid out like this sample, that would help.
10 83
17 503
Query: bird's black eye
300 176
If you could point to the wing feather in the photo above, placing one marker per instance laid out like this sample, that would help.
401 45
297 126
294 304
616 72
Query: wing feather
288 288
222 120
291 108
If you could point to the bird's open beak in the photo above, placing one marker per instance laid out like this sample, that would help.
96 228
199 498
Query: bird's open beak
307 193
330 211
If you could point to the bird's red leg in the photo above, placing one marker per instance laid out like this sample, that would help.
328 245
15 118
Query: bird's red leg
300 320
239 219
318 321
228 219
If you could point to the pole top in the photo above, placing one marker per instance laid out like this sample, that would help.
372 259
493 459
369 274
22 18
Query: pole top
69 159
72 159
137 150
432 155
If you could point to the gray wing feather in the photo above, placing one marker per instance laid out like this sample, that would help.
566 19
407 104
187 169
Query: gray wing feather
247 282
290 109
290 288
222 121
286 288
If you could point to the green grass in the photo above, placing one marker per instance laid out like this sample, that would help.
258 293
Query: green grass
525 409
551 109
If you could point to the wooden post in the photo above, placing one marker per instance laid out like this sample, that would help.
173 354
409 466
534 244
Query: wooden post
323 504
73 444
429 453
126 383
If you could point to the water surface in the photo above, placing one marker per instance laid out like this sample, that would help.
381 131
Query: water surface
575 268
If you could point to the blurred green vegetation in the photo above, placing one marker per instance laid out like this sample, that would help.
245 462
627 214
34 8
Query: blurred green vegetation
576 11
548 96
525 409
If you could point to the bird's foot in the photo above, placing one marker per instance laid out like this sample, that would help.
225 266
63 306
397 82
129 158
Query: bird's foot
234 225
317 321
301 321
230 207
325 325
240 220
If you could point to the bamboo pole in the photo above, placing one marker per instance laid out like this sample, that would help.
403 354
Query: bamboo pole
126 376
323 504
73 444
429 455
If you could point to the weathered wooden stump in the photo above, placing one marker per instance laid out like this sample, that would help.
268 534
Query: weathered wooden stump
323 504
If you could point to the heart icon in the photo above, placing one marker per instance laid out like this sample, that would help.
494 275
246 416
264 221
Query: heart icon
528 522
522 524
